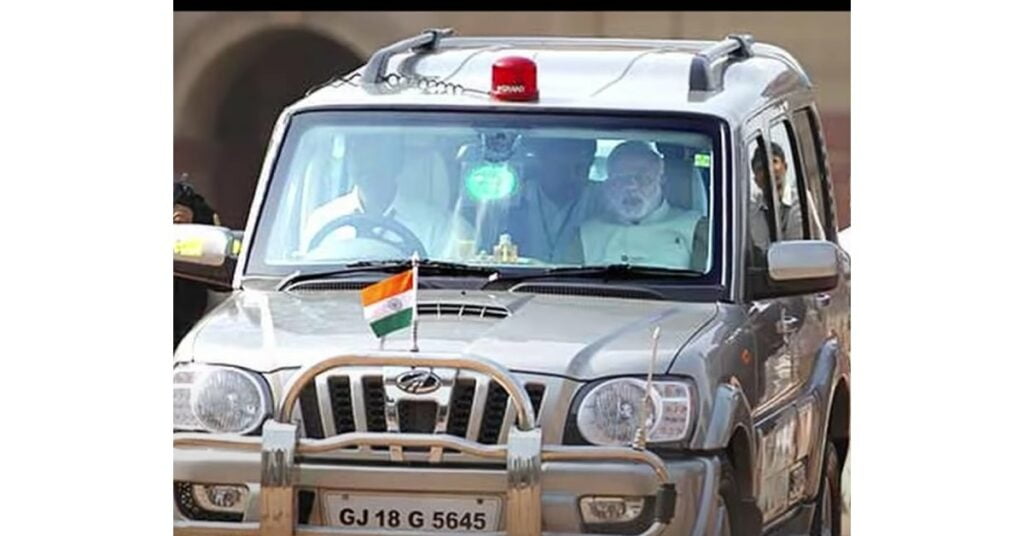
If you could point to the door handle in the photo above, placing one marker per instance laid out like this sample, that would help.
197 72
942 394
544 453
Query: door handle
787 325
824 299
757 308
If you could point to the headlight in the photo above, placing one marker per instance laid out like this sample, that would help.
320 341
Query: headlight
219 399
610 413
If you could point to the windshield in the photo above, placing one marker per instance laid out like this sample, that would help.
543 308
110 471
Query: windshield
500 190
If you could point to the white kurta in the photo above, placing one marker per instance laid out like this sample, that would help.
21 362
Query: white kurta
663 238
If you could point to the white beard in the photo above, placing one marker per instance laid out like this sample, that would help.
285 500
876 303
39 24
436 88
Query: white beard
632 207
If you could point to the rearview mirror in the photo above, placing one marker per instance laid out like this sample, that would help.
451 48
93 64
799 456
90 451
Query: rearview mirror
804 265
206 253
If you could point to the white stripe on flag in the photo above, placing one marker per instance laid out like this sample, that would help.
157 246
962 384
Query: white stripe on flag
376 311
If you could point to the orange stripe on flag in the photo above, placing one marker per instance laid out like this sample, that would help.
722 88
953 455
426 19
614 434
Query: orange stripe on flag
391 286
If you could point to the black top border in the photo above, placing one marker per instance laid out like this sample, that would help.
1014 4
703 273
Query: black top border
530 5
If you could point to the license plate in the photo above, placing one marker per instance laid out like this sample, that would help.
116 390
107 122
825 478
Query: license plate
427 513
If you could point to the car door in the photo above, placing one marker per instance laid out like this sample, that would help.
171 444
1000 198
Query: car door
788 328
834 305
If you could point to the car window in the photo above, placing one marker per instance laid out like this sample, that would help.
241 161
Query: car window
789 203
499 190
811 156
761 225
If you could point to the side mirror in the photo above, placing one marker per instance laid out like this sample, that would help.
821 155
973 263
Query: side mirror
804 266
206 253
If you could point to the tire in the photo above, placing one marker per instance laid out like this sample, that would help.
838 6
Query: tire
828 508
728 501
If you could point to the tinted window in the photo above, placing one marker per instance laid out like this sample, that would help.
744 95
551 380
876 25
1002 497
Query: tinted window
789 202
511 191
812 158
760 220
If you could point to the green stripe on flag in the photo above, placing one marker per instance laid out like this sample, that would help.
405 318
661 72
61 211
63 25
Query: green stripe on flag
395 322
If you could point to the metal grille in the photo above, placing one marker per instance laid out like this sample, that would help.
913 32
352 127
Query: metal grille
494 414
417 417
478 408
584 289
373 399
312 422
461 407
341 404
461 310
321 285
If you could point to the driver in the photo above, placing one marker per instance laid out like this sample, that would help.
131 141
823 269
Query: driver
638 225
374 163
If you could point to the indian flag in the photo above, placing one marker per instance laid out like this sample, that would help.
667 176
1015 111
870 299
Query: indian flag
390 305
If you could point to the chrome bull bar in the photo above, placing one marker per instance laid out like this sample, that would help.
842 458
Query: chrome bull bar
523 454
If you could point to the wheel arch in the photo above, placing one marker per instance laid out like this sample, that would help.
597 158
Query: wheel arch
838 430
740 452
730 431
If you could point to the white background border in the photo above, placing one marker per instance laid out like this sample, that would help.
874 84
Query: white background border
85 160
86 166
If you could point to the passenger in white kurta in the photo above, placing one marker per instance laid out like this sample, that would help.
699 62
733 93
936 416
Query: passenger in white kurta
638 225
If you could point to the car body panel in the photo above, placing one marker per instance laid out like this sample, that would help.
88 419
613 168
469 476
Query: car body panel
576 337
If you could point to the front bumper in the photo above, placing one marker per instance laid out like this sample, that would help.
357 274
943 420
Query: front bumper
541 484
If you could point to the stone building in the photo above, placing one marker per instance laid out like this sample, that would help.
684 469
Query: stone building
234 72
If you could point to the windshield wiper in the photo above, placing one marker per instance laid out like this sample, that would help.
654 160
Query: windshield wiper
606 272
426 267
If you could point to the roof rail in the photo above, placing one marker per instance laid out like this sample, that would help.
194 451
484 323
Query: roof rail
428 40
543 41
734 45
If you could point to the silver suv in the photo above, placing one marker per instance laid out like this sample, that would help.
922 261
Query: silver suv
629 314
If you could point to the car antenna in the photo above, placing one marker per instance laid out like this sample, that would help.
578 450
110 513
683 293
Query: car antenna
640 438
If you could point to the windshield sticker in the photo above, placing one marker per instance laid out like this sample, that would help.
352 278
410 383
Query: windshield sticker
488 182
702 160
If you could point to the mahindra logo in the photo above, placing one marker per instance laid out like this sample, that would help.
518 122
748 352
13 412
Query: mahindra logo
418 382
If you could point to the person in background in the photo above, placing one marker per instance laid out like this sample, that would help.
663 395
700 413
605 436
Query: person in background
189 296
790 218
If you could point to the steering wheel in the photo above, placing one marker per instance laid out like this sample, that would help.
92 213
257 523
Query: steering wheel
375 227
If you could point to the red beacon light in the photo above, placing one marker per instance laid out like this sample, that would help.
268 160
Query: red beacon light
514 78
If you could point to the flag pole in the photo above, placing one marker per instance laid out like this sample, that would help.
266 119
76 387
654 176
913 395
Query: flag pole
415 299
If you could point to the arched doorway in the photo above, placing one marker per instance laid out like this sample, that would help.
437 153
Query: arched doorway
243 92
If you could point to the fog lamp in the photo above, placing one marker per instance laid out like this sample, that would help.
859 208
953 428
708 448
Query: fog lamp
610 509
221 498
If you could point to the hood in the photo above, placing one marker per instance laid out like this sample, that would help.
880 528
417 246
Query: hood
570 336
